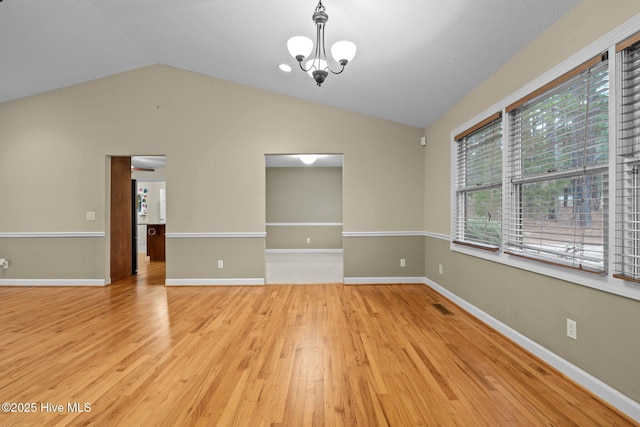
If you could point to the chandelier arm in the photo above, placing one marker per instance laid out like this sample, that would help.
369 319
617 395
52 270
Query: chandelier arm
304 69
326 59
319 47
337 72
333 71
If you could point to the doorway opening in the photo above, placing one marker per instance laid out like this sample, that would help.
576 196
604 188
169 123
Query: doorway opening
304 218
137 215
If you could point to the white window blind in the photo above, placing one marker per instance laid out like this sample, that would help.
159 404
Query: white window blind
557 170
627 263
479 185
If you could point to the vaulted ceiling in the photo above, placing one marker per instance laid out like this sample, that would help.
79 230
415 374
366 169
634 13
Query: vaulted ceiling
415 58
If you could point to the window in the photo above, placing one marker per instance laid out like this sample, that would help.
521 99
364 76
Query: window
479 185
551 182
557 171
627 265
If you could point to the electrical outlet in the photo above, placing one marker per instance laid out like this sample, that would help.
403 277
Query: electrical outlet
572 329
440 268
90 216
220 263
308 240
4 263
403 262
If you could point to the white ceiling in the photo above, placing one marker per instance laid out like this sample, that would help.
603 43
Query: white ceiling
415 59
148 162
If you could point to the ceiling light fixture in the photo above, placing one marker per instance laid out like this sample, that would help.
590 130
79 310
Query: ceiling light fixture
308 159
318 67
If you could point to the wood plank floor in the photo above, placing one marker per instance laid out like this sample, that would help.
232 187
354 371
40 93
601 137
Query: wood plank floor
283 355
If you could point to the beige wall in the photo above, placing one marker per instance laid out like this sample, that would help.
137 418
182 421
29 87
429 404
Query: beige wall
379 257
155 175
197 259
304 195
305 237
532 304
215 135
69 258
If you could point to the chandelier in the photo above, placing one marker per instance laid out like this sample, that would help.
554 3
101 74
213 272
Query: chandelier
318 67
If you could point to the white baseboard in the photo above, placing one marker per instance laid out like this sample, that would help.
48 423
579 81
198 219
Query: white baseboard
52 282
383 280
215 282
304 251
612 396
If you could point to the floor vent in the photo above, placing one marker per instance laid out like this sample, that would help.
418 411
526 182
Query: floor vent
442 309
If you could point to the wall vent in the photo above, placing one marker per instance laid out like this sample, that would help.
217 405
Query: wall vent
442 309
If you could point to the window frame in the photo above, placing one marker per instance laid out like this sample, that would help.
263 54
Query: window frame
462 190
603 282
623 163
518 177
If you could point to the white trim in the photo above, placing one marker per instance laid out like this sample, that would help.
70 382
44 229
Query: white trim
438 236
52 282
591 383
383 280
215 282
606 283
615 91
304 251
382 233
453 178
239 234
47 234
304 224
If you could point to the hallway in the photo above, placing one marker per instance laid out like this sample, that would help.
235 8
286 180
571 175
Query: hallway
304 268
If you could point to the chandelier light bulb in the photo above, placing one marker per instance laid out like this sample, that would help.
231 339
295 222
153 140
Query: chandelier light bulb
300 46
343 51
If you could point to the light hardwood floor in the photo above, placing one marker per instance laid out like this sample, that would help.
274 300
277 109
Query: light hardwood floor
279 355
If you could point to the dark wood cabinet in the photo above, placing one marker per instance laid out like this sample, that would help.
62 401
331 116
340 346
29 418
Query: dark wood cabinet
156 242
